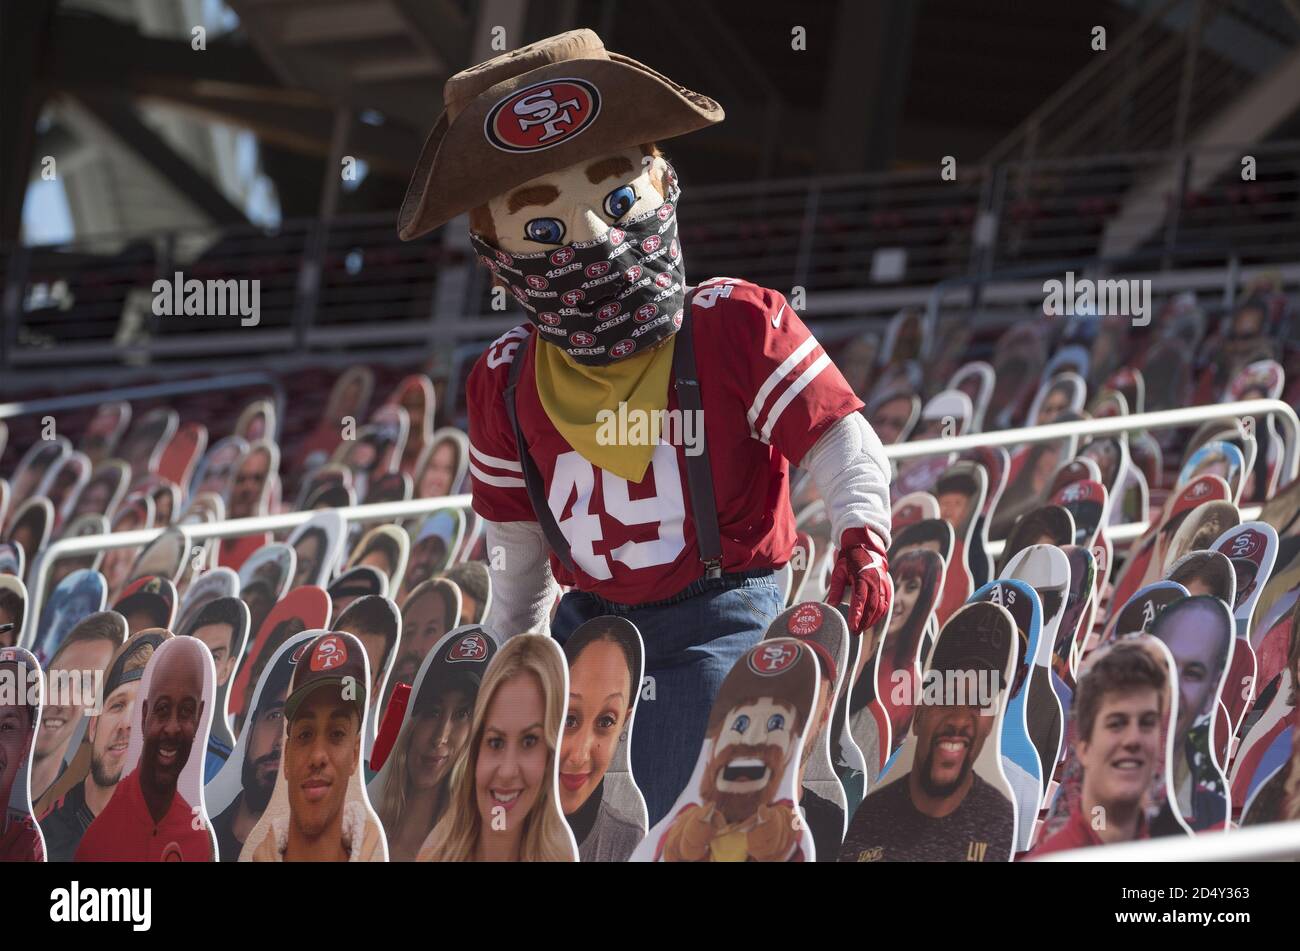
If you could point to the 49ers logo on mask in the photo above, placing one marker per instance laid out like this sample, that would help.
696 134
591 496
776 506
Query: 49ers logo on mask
542 115
664 211
572 297
537 282
645 312
623 348
562 257
632 274
599 269
550 318
580 338
664 279
616 236
651 244
608 311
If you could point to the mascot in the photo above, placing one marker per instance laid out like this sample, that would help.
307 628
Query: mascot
632 441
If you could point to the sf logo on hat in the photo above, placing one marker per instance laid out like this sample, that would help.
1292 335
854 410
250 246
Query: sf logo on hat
469 647
1246 545
770 659
329 653
542 115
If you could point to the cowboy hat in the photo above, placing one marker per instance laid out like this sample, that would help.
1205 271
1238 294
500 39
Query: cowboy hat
536 110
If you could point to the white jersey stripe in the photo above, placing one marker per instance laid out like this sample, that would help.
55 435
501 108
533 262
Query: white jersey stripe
494 462
793 390
499 481
776 376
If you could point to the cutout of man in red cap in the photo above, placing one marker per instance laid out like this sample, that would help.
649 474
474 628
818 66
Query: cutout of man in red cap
586 422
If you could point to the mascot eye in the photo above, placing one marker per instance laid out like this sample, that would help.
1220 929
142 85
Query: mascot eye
741 724
775 722
545 230
620 201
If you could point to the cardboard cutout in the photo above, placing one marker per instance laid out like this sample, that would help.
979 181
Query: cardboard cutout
318 544
1029 479
976 380
276 567
1088 504
389 487
1282 510
431 549
960 492
1118 772
1079 469
96 758
238 795
21 691
1217 458
250 490
740 804
823 801
31 470
503 801
222 624
1063 392
946 414
598 793
1046 525
11 559
893 415
1020 762
912 508
32 525
1199 633
1147 556
144 441
377 624
475 585
889 664
100 437
319 810
79 595
1080 612
64 482
1018 361
164 556
1046 569
147 602
415 394
945 797
182 453
385 547
156 812
356 583
442 464
302 609
348 401
13 609
995 462
1199 530
411 789
431 610
257 421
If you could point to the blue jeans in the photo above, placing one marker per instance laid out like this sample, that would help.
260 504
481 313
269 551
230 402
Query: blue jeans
691 642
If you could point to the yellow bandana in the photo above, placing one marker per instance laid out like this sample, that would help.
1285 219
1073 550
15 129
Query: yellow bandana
574 396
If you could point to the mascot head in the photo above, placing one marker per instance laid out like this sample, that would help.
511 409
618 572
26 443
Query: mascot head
551 151
754 729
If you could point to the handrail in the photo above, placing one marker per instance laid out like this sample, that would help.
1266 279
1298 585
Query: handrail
148 391
1274 840
1160 419
230 528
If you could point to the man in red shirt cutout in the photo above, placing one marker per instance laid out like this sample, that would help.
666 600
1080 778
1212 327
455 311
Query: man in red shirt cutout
1120 710
587 423
148 820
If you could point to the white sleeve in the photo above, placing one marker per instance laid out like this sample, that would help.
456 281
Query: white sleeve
523 589
849 468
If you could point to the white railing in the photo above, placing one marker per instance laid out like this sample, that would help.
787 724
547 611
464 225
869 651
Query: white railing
1269 842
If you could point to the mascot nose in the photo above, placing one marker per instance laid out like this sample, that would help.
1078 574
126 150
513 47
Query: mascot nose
589 225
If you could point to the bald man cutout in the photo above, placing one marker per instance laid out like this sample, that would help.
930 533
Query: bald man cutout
149 819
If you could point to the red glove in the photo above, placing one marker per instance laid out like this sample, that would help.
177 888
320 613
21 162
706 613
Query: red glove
861 564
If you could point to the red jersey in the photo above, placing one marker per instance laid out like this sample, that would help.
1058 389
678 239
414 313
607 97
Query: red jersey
124 831
20 840
1078 833
768 390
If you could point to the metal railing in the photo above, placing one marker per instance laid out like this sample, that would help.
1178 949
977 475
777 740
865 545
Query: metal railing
149 391
1264 843
229 528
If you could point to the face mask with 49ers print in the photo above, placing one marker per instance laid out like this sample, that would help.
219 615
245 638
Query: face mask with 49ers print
606 299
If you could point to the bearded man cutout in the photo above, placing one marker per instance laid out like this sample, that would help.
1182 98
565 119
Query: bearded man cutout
587 450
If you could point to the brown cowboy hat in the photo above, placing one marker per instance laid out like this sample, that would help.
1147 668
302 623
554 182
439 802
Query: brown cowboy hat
537 110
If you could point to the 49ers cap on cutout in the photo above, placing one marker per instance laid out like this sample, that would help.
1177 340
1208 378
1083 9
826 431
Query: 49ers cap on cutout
333 659
536 110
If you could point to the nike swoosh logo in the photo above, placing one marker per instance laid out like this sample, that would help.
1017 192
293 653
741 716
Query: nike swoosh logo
776 319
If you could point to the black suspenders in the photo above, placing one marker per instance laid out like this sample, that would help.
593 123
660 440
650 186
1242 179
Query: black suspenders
699 473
